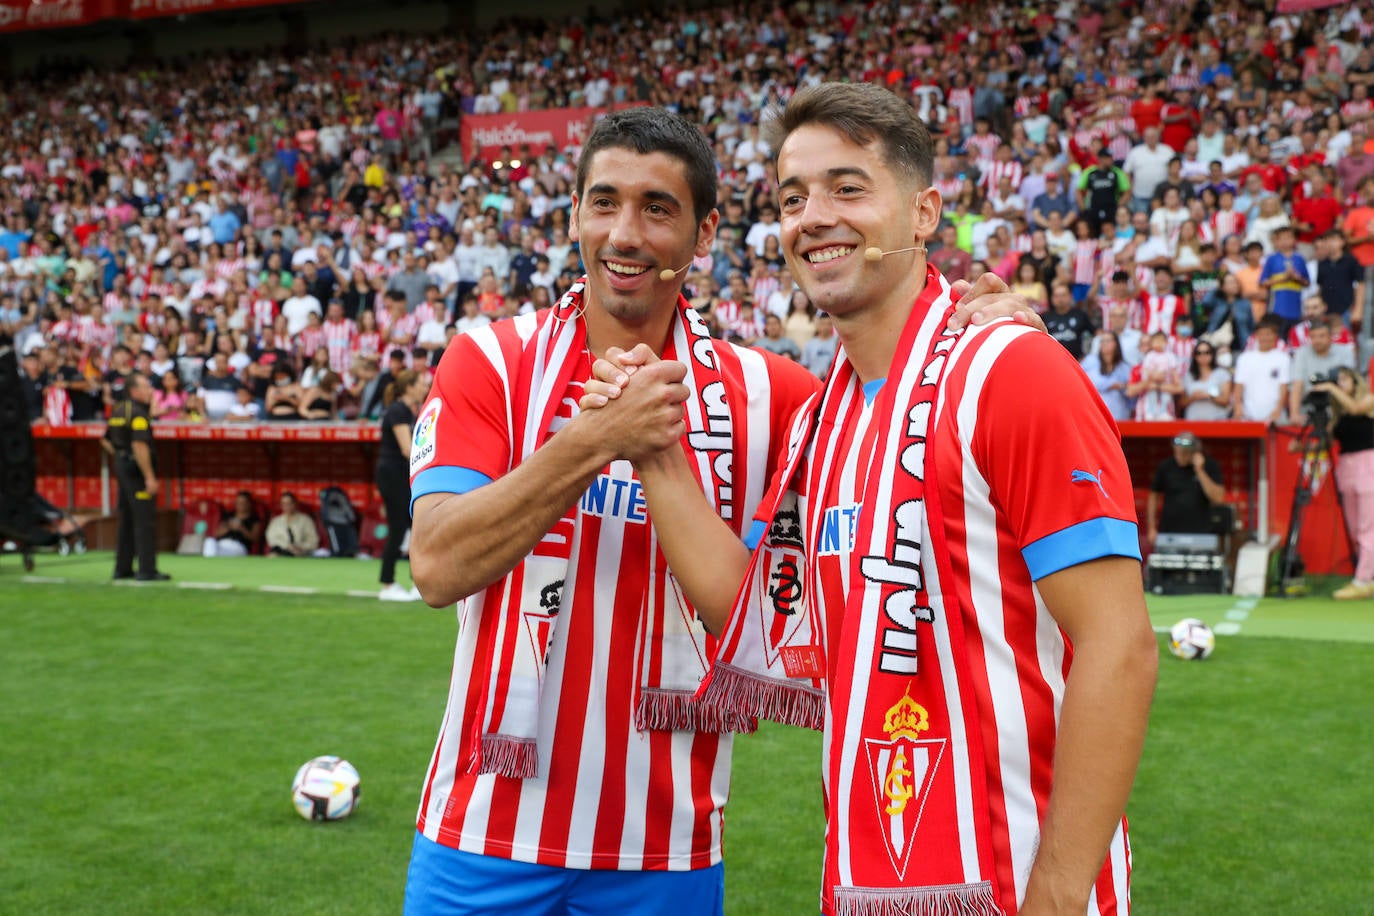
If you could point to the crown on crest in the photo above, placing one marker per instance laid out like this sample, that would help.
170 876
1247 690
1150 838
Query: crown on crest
906 719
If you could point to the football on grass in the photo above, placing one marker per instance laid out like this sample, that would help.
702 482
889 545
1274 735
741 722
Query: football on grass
326 789
1191 639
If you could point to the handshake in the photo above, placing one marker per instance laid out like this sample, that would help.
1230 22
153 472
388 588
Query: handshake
635 399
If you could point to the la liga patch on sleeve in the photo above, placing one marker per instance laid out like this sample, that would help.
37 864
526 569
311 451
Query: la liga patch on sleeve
422 445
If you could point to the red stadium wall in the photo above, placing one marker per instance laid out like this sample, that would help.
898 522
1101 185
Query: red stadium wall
215 462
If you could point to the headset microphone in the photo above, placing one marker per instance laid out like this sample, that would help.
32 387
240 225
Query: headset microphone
665 274
875 254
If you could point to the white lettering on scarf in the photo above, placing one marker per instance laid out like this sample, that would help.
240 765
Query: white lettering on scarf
904 608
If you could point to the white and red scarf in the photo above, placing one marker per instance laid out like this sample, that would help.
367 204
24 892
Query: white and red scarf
886 753
674 649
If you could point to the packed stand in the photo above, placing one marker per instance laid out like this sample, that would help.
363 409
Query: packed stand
1186 190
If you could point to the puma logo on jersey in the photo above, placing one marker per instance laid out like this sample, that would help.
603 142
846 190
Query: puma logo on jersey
1086 477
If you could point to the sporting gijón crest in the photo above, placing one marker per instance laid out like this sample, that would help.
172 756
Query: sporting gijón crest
539 624
902 769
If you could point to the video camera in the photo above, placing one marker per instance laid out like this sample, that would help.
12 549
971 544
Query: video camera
1316 405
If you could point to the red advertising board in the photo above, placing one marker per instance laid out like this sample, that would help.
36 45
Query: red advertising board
40 15
30 16
484 135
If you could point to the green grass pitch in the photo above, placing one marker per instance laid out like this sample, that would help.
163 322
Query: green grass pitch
148 736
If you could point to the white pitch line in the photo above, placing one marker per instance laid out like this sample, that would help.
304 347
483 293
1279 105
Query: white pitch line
45 580
289 589
358 593
207 586
1237 615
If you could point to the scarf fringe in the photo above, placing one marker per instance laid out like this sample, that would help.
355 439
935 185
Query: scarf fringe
759 697
942 900
504 755
680 711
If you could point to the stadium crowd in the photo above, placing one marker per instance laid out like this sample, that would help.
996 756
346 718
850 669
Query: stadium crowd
1185 189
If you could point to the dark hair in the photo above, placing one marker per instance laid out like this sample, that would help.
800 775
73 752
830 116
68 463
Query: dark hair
398 386
864 113
1120 358
655 130
1272 322
1192 362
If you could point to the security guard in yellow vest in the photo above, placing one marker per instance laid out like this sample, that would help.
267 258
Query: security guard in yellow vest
129 438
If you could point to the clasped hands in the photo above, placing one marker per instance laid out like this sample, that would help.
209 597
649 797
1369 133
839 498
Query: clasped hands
637 399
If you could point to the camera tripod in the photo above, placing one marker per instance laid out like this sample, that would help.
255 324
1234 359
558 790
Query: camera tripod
1314 440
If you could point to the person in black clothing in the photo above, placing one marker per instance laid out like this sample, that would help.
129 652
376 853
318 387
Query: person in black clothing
31 383
116 381
1340 279
396 363
129 438
403 398
1066 322
1189 484
1352 427
1100 189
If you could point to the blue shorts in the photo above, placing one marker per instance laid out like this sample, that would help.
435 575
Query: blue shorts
449 882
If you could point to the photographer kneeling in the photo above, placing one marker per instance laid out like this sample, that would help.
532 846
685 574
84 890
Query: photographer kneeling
1352 426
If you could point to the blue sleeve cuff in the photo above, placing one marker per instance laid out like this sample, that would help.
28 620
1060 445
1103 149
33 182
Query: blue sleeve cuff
754 534
445 480
1091 540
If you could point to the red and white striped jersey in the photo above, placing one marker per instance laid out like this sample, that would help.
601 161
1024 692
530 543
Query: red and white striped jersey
761 288
1181 349
399 332
308 341
985 145
960 101
609 797
1085 261
1300 334
63 331
98 335
225 268
264 313
214 287
1132 306
1226 223
367 343
425 312
997 170
1354 109
1161 311
726 313
338 338
57 406
1005 527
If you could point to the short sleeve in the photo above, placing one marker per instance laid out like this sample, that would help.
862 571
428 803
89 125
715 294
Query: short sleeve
141 428
1051 454
1161 481
1268 270
1213 469
461 438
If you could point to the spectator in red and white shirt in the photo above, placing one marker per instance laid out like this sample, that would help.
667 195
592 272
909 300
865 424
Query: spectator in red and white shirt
1161 310
339 334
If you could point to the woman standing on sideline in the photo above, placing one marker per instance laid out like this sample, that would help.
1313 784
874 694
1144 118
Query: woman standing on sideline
402 398
1352 426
